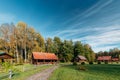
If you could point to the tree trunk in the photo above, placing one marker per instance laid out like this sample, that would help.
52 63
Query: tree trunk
17 54
25 55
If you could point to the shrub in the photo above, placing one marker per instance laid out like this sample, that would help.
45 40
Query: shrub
83 68
99 62
90 62
6 66
17 64
106 62
117 62
82 63
74 63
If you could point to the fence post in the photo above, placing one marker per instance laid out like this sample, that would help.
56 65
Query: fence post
10 74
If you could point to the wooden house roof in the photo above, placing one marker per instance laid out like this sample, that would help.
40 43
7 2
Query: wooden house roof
4 55
44 56
81 57
104 58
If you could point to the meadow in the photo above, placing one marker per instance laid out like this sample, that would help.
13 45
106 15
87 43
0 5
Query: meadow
22 72
89 72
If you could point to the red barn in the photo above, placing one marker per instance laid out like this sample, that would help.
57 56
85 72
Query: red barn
4 55
80 58
104 58
44 58
115 59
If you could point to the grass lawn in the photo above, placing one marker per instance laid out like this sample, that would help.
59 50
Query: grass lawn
92 72
22 74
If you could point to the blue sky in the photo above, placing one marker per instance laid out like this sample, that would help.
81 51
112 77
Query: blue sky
96 22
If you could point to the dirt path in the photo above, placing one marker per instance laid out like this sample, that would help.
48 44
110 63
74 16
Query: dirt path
43 75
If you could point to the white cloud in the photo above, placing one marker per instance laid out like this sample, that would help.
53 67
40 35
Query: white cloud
97 7
105 48
82 28
106 37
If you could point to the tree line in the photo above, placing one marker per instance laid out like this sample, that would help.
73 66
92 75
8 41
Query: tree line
21 40
114 53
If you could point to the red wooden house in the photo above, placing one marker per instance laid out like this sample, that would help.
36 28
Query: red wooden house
104 58
80 58
4 56
107 58
115 59
44 58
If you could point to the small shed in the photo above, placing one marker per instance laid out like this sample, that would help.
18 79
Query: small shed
80 58
4 55
44 58
104 58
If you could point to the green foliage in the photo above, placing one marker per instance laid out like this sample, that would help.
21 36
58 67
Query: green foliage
78 49
90 55
106 62
81 67
67 50
83 49
114 53
75 63
90 62
22 72
20 41
49 45
82 63
99 62
6 66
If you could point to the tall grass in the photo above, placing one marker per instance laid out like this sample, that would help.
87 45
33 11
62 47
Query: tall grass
22 72
92 72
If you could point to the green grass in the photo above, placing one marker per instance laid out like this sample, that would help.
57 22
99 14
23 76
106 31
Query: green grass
92 72
22 74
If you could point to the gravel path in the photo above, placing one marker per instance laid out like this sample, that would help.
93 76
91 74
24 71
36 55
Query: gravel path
43 75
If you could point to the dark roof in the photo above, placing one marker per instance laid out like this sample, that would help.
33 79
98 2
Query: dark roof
104 58
44 56
4 55
1 53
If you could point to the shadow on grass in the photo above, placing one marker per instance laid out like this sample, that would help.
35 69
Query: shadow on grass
70 66
4 77
7 76
97 68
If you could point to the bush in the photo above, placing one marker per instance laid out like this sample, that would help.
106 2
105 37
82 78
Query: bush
106 62
82 63
74 63
99 62
6 66
90 62
17 64
83 68
117 62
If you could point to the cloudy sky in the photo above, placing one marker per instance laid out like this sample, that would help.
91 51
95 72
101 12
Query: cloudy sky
96 22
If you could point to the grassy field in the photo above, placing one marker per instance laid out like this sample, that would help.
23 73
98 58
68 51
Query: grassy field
24 71
92 72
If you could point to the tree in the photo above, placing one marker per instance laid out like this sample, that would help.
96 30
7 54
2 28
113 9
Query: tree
66 50
78 49
20 40
49 45
23 38
89 53
5 32
57 43
39 44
